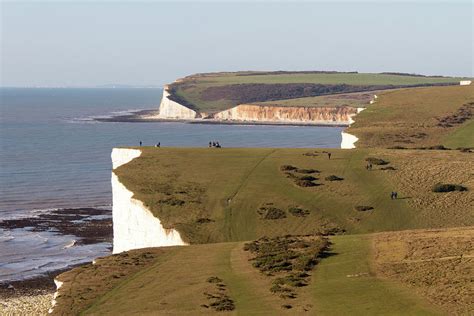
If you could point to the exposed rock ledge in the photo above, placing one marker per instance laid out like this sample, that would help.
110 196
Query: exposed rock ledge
315 115
134 225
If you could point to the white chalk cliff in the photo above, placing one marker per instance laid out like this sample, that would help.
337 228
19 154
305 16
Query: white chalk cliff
287 114
173 110
134 225
348 140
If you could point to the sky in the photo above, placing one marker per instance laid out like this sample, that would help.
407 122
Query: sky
93 43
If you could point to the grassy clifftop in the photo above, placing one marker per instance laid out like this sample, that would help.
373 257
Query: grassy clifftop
218 195
418 117
219 91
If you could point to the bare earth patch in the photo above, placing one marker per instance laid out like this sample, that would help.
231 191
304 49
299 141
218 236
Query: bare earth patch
438 264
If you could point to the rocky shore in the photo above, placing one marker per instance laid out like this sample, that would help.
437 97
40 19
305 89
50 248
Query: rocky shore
28 297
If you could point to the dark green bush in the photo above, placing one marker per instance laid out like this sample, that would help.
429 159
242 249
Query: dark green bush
376 161
287 168
388 168
446 187
308 178
363 208
271 212
298 212
307 171
305 183
333 178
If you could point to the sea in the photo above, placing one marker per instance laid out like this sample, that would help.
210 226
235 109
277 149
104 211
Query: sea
55 155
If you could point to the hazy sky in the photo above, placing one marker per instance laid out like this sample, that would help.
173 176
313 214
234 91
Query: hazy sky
151 43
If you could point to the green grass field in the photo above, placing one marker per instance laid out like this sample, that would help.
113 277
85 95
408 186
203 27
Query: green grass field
174 283
410 118
191 88
181 186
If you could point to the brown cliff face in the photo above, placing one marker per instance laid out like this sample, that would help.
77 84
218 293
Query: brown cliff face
315 115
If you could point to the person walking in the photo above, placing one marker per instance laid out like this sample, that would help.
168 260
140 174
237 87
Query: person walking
141 143
329 156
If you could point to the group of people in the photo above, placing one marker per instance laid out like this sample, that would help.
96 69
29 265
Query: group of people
214 144
394 195
369 166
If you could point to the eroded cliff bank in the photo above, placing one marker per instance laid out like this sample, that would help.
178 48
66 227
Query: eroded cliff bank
287 114
134 225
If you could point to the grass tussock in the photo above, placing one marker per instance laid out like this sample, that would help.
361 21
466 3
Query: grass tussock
270 212
446 187
363 208
298 212
377 161
333 178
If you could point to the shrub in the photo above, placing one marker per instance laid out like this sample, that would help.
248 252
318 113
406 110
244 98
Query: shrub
308 178
308 171
223 304
271 213
305 183
388 168
203 220
376 161
333 178
445 187
214 279
287 168
172 201
363 208
298 212
397 147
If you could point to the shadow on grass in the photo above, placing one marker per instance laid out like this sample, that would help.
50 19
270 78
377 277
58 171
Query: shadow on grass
327 254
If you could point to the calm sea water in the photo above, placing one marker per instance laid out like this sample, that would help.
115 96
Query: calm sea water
54 155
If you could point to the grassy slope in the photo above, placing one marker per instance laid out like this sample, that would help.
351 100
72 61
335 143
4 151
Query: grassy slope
251 177
461 137
398 118
196 84
344 284
175 283
358 99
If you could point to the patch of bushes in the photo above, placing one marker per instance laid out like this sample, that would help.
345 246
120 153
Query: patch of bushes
363 208
333 178
204 220
435 147
288 168
376 161
298 212
214 279
446 187
465 149
388 168
397 147
307 171
291 257
308 178
305 183
270 212
219 301
172 201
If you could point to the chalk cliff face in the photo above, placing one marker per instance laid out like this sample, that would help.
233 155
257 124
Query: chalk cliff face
313 115
134 225
173 110
348 140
